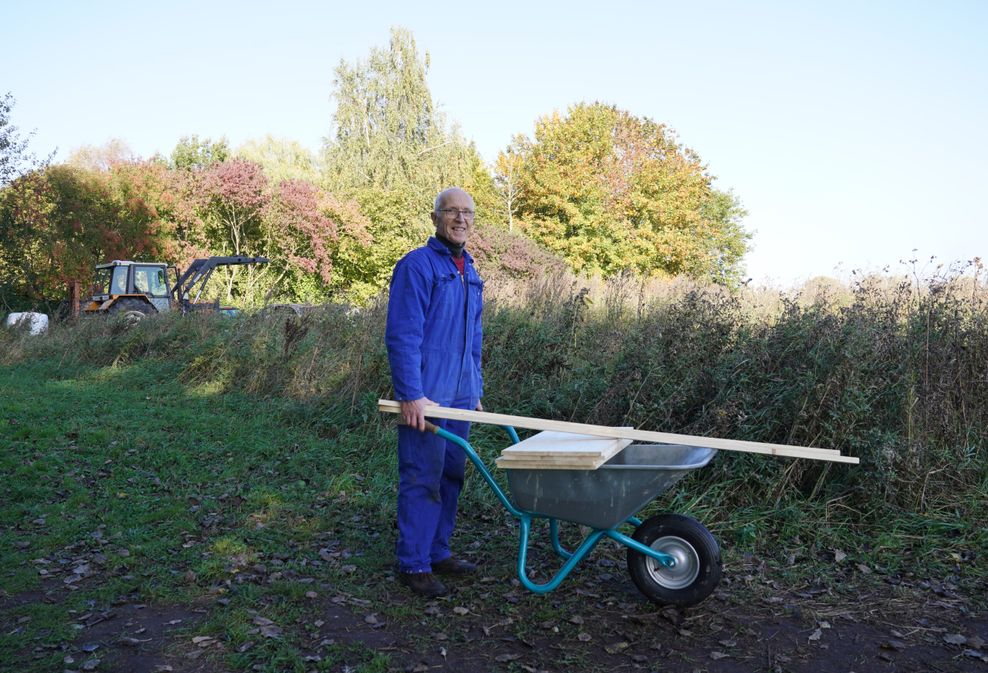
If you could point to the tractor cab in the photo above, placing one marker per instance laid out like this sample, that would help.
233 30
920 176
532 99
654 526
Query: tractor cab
130 286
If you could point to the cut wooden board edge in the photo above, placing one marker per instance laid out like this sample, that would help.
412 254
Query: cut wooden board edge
784 450
538 465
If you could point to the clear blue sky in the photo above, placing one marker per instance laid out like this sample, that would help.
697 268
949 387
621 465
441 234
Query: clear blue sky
853 132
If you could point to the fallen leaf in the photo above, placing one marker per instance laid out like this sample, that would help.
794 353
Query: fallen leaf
90 664
976 654
839 555
728 643
893 644
616 648
718 655
461 611
203 641
863 569
976 642
271 631
584 637
311 594
371 619
262 621
505 658
955 639
420 668
576 619
816 635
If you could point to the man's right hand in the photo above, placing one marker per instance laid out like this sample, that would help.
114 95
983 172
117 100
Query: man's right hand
413 412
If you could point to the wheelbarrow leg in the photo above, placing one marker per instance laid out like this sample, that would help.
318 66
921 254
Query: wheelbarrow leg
562 551
554 535
589 543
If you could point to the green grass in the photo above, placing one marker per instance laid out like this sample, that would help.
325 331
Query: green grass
178 487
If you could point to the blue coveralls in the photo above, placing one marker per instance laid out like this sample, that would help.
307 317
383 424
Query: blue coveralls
433 336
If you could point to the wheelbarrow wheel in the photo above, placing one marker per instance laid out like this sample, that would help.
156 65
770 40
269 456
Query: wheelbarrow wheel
696 572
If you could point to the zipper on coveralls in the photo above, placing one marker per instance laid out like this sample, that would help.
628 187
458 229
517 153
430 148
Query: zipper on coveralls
466 319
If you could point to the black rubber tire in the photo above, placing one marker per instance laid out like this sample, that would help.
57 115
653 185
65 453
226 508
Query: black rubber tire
698 568
132 310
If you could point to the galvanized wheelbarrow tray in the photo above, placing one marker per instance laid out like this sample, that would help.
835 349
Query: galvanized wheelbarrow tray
672 559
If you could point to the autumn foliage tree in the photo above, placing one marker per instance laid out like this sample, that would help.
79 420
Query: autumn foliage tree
56 224
612 192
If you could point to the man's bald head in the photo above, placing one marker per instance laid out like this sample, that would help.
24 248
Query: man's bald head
447 193
453 215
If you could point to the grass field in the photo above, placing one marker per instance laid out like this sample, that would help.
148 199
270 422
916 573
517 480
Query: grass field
237 471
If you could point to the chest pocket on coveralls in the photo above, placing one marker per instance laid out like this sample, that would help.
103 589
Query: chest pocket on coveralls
447 295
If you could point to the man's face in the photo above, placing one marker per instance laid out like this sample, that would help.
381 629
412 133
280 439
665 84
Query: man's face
454 217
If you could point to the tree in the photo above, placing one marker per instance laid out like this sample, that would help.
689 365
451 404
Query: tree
101 158
15 158
507 177
388 133
310 237
233 196
57 223
195 154
613 192
281 159
391 151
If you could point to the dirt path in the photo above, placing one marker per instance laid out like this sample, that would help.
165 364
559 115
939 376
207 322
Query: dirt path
493 626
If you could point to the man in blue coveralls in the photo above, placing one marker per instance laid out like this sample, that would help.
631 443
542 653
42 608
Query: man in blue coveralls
433 336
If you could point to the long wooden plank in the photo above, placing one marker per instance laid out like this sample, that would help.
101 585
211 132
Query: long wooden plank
390 406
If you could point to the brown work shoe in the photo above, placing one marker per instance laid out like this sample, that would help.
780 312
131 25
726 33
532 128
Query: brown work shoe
454 566
423 584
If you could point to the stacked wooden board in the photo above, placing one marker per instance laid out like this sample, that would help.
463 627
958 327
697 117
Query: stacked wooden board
780 450
560 451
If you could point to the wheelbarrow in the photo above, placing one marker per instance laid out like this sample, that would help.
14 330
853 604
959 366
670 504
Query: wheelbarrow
672 559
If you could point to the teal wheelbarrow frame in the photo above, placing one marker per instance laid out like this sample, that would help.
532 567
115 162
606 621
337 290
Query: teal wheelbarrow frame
672 559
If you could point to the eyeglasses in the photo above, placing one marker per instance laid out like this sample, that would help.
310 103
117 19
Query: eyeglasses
453 212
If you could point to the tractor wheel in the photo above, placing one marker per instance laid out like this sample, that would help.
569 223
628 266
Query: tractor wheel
132 310
696 572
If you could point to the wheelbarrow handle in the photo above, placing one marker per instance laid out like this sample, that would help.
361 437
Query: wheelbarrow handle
429 427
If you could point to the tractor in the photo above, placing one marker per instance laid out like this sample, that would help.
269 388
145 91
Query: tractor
138 289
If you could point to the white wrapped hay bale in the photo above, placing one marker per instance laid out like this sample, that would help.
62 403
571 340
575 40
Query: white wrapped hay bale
37 322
